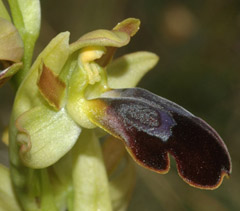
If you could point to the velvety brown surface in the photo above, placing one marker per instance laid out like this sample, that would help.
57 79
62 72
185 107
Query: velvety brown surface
152 127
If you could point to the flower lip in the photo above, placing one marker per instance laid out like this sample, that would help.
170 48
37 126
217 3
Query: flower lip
151 127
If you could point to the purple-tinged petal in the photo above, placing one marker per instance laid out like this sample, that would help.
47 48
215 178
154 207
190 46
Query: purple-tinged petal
151 127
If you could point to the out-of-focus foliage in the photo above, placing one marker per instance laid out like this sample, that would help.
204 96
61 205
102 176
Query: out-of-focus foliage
199 49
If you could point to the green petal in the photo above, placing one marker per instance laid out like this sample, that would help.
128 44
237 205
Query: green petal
89 176
3 12
7 198
11 45
127 71
9 72
101 37
45 136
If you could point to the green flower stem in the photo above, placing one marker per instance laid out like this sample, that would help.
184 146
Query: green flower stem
3 12
47 199
90 182
26 17
27 61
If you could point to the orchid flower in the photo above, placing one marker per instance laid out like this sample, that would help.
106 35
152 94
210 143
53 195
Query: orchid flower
75 94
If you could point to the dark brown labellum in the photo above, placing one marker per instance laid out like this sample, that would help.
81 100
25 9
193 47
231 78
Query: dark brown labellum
151 127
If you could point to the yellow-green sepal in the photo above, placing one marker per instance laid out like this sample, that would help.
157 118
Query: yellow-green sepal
101 37
45 136
90 180
118 37
129 26
128 70
54 57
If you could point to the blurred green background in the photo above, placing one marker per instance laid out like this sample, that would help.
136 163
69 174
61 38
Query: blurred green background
199 47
